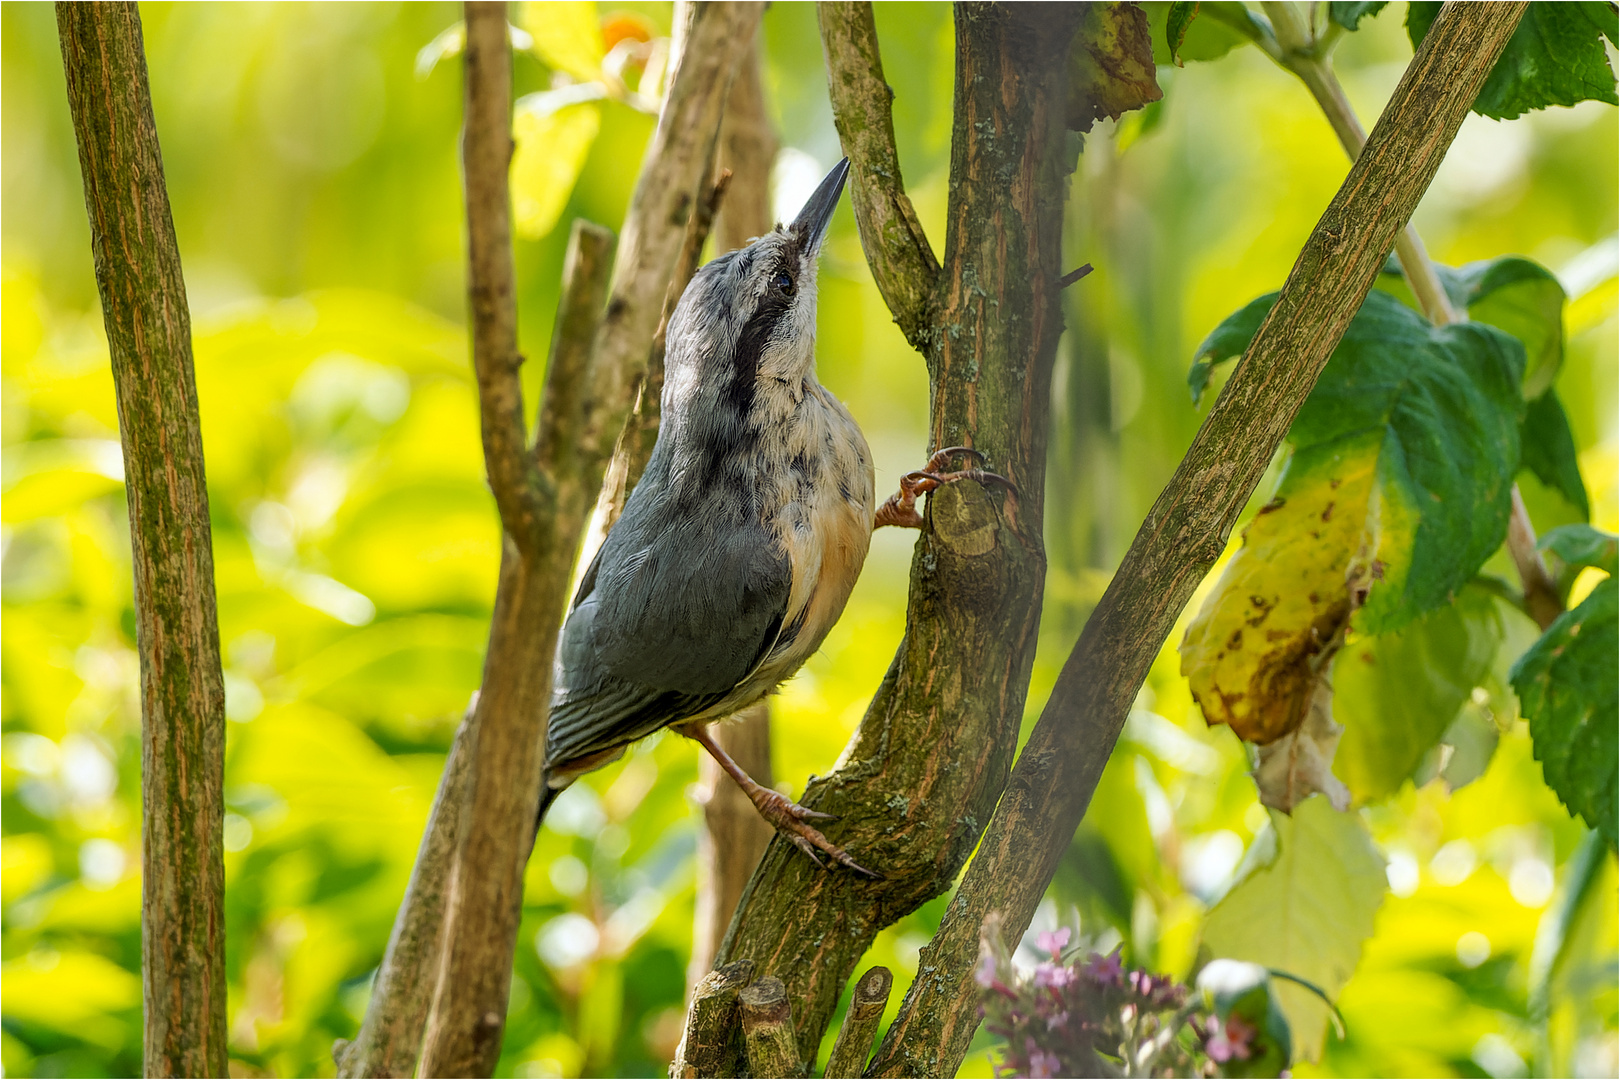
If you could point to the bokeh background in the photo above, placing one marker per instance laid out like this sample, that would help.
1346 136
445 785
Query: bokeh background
312 166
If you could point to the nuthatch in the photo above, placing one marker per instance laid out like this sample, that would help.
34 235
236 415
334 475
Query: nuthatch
737 550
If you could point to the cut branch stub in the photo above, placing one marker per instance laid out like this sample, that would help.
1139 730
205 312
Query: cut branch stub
1187 528
143 304
854 1045
713 1042
767 1023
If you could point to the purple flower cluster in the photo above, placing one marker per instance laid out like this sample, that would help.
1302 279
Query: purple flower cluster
1090 1016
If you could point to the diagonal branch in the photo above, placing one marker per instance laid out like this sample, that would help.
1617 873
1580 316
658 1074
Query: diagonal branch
1187 529
903 264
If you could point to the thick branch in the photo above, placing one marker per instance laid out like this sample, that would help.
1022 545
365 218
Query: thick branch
1187 529
924 771
391 1035
767 1023
903 264
143 303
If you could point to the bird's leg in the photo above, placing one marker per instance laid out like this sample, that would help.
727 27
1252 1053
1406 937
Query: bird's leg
787 816
901 508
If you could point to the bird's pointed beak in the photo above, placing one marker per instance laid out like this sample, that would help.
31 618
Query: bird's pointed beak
811 224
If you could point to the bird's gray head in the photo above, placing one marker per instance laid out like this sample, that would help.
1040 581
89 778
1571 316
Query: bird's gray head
746 324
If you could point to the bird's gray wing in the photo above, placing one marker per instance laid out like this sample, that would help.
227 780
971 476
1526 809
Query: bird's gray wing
670 617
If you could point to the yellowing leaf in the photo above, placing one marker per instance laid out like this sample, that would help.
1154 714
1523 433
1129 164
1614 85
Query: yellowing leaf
552 142
1253 654
1110 65
567 36
1305 913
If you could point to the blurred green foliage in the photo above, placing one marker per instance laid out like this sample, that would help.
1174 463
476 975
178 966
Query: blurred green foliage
315 188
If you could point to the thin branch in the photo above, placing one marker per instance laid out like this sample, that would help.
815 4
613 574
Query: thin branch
391 1035
143 303
1541 598
486 152
902 262
1187 530
466 1021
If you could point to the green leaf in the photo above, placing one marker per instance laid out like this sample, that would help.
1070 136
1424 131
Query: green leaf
1447 401
554 132
1519 296
1110 65
1227 341
1567 691
1200 31
1348 15
1305 913
1397 694
1177 19
1549 450
1582 545
1555 57
1396 492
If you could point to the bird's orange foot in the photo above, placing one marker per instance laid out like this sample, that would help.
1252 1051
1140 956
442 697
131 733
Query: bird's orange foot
790 819
901 508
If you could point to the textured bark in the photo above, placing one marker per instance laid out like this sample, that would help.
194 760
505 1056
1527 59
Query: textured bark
767 1023
391 1036
734 835
1187 530
545 493
854 1044
712 1044
143 302
930 758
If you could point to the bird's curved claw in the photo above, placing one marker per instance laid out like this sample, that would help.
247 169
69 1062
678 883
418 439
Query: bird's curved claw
789 819
901 508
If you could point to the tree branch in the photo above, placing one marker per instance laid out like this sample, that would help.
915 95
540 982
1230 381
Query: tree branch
143 303
713 1043
391 1035
467 1018
902 262
929 760
854 1044
1187 529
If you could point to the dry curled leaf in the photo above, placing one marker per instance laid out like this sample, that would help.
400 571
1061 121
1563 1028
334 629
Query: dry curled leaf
1111 65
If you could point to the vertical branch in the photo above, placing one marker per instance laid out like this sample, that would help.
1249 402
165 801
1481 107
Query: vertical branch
929 760
734 835
1187 528
544 495
143 301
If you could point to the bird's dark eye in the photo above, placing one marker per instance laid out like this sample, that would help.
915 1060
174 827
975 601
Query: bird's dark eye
782 281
